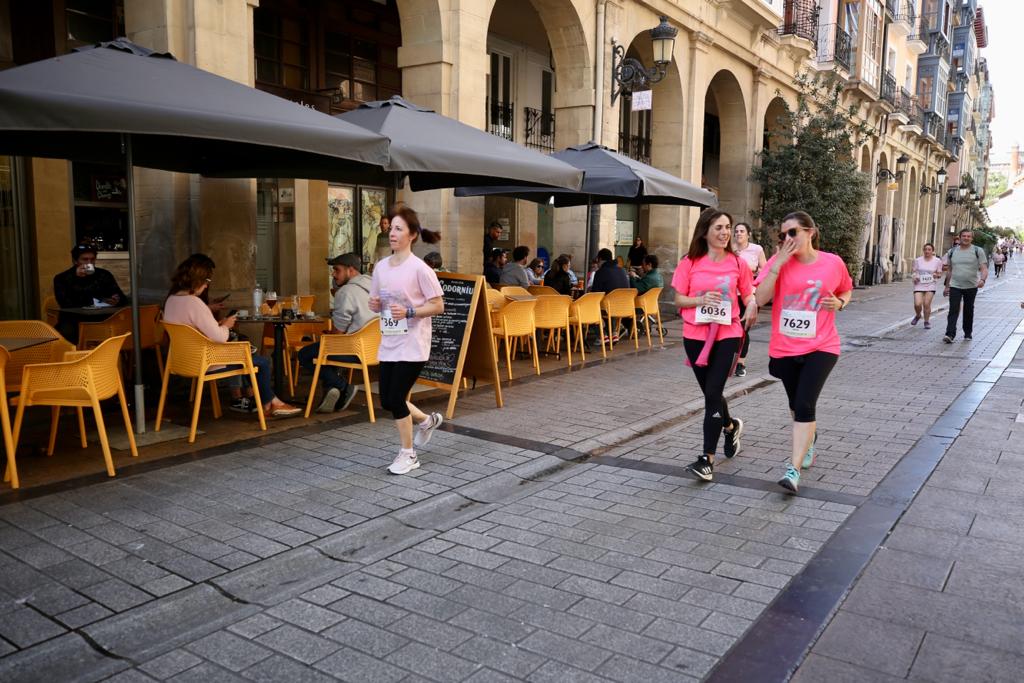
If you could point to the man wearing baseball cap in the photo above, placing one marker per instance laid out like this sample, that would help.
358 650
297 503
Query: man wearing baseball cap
351 312
83 284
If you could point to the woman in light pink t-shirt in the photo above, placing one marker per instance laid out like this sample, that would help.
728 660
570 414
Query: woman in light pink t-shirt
710 283
406 292
753 255
806 287
927 270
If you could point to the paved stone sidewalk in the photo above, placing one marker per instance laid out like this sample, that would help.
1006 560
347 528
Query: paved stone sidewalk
302 560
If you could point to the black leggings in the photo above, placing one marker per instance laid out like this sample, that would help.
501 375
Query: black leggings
804 377
746 337
396 381
712 382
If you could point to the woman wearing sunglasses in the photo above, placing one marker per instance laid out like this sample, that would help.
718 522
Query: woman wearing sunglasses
710 282
808 287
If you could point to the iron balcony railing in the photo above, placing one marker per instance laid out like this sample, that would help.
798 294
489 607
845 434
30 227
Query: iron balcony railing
889 88
635 147
540 129
499 119
907 13
907 103
800 18
939 45
834 45
892 8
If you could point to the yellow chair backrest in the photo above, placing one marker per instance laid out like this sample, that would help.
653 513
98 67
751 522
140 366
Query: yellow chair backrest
50 307
188 352
517 318
587 309
96 372
552 311
117 324
513 290
495 299
151 333
295 333
42 353
542 290
620 302
364 343
306 303
648 301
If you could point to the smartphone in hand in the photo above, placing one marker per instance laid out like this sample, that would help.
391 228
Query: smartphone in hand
222 299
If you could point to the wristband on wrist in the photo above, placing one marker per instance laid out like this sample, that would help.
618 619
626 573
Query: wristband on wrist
410 312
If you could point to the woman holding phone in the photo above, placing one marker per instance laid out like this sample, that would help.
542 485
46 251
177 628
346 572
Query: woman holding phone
710 283
807 286
406 293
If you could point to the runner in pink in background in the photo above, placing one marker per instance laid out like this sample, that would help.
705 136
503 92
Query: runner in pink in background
806 287
927 270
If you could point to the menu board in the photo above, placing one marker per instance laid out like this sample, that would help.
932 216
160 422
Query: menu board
448 336
462 343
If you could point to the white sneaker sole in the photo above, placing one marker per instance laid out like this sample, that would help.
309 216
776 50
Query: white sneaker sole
422 436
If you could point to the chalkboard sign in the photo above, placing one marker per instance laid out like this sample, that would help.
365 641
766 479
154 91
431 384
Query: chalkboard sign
461 340
449 330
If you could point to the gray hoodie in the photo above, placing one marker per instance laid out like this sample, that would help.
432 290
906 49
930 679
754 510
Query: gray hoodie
352 305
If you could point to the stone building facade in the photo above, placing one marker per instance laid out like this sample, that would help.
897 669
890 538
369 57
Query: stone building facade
535 71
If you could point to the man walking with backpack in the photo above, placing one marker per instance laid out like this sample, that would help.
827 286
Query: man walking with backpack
966 267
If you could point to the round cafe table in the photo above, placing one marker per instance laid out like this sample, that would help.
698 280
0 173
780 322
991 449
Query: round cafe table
279 323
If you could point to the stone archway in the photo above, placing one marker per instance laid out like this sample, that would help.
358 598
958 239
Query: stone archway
865 159
774 127
725 162
881 226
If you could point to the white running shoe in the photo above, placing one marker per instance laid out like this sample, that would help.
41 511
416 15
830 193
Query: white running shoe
426 430
405 462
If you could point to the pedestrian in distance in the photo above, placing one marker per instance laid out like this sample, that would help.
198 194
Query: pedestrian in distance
710 282
407 294
808 287
966 267
927 269
753 256
999 261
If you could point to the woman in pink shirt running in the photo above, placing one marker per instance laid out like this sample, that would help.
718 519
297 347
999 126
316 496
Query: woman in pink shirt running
927 270
406 292
710 283
808 287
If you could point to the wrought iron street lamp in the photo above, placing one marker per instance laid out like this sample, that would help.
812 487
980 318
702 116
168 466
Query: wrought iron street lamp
629 74
941 178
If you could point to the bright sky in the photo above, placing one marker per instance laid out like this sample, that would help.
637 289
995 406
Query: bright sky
1004 19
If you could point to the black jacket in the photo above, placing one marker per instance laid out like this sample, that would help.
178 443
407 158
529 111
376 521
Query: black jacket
559 280
72 291
492 273
608 277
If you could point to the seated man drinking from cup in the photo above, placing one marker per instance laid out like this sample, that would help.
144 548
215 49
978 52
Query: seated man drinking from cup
83 284
351 312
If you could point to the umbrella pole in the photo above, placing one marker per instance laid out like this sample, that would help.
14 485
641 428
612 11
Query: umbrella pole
140 396
592 234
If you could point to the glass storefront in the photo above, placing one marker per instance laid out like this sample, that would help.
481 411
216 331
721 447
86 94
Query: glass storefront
15 293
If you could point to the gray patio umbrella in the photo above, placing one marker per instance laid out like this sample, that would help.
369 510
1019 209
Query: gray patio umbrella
609 178
119 102
435 151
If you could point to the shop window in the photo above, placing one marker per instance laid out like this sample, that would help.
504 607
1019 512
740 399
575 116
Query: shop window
92 21
281 46
100 193
359 70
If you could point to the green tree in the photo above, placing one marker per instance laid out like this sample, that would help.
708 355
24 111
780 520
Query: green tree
997 185
810 166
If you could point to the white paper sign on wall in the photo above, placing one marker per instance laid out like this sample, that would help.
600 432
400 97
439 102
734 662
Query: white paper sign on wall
641 100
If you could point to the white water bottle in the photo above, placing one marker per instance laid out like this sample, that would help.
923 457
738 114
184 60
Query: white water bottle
257 298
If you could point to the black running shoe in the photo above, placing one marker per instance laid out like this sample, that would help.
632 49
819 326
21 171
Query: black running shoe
741 370
732 438
702 469
967 337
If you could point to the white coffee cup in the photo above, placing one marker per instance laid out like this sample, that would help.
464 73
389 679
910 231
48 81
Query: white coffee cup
243 314
89 268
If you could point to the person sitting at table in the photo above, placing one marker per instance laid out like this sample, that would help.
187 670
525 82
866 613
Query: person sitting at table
514 272
83 284
436 263
558 276
492 269
535 272
184 307
351 312
651 276
609 275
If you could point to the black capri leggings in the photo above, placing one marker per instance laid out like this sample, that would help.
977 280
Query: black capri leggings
746 337
396 381
804 377
712 382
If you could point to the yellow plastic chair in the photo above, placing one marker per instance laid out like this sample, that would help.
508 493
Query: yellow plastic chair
306 303
648 305
296 336
542 290
11 473
151 333
192 355
617 305
362 344
50 311
583 313
49 352
515 320
513 290
81 382
552 314
92 334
